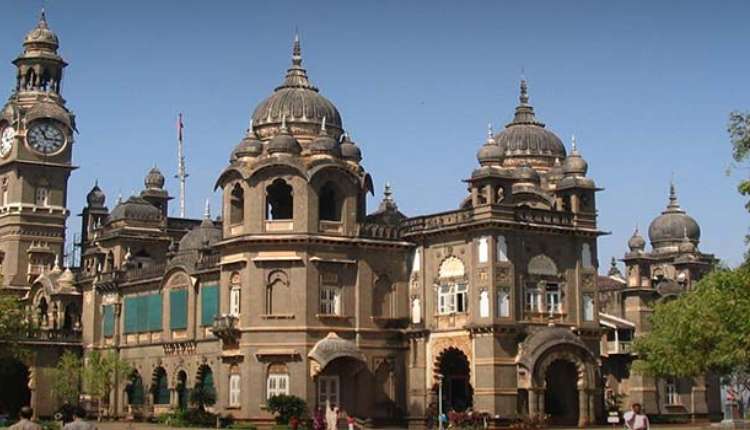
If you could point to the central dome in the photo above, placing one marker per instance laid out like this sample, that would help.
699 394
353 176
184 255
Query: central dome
526 140
300 103
673 226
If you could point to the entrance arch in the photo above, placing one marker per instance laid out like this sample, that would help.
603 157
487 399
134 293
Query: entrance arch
14 373
182 390
561 394
453 365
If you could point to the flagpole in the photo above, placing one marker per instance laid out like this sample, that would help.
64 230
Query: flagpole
181 174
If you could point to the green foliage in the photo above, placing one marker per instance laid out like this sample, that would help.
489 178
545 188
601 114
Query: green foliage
285 407
100 373
706 329
189 418
739 134
66 378
203 394
13 322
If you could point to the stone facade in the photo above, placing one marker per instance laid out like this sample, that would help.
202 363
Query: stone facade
296 289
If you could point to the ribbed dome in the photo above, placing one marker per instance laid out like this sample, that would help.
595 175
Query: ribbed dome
526 173
574 164
299 101
96 198
137 209
202 236
324 143
526 140
350 150
154 179
490 152
284 142
672 226
41 35
250 146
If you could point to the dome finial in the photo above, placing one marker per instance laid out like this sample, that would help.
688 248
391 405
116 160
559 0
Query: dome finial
207 210
673 204
42 19
524 97
489 130
296 50
387 193
573 148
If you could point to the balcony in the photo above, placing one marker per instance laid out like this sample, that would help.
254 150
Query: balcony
58 336
619 347
226 328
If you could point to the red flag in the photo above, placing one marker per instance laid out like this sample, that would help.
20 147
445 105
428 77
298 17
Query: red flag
179 127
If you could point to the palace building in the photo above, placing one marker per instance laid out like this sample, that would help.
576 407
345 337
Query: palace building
296 288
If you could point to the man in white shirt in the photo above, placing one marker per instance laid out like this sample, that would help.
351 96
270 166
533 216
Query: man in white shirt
635 420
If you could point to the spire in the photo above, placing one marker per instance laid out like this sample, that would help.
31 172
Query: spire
524 111
388 203
42 20
490 135
673 205
296 75
207 210
387 193
573 148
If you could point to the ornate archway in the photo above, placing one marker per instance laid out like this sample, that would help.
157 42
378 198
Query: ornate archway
453 367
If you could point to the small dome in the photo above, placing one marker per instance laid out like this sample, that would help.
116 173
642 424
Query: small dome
297 100
324 143
350 150
526 173
636 242
250 146
490 152
574 164
526 139
154 179
135 209
96 198
42 35
669 229
202 236
284 142
67 278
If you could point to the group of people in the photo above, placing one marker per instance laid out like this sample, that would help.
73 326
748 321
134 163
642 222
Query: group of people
25 423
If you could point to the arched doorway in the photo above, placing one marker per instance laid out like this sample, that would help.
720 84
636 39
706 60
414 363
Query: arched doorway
159 387
453 367
134 389
204 392
561 395
182 390
14 374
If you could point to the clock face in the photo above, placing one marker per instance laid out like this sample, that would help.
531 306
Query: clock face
6 141
45 137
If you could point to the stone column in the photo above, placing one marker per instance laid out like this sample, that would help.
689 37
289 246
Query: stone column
583 406
593 395
540 401
532 402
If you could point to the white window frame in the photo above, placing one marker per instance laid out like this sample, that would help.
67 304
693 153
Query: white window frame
484 304
416 260
533 300
235 390
502 249
483 249
41 196
453 298
503 303
588 307
324 383
553 298
330 300
416 310
234 300
277 384
673 397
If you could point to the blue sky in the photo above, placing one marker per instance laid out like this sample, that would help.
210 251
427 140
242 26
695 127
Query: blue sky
646 87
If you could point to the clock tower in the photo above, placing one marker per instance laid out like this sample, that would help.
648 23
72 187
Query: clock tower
36 142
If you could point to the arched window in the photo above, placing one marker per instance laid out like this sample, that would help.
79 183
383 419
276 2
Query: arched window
329 203
204 391
279 201
586 260
278 299
277 381
42 196
182 390
134 389
484 304
235 288
235 386
236 204
416 311
502 249
483 249
453 290
160 388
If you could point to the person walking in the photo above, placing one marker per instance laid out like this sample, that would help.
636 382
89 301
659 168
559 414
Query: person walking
79 422
635 420
25 422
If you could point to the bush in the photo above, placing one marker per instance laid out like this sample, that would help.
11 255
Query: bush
285 407
531 423
242 426
188 418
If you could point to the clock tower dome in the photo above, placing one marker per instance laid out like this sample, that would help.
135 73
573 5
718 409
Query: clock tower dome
36 140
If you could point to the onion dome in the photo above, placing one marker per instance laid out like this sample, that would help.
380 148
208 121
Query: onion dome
526 140
668 229
490 152
324 143
297 100
526 174
95 198
66 279
154 179
636 243
250 146
203 236
574 164
41 36
135 209
284 142
349 150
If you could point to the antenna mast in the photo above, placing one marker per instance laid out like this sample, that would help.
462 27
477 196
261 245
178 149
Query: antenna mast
181 174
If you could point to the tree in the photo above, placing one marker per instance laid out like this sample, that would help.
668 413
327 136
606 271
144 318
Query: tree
204 393
285 407
739 134
101 373
705 330
13 322
66 378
